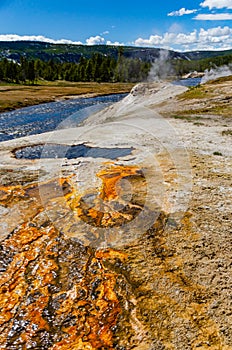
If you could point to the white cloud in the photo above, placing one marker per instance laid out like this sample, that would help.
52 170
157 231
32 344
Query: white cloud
217 38
218 4
211 39
152 41
115 43
182 12
105 32
217 31
167 39
15 37
95 40
214 17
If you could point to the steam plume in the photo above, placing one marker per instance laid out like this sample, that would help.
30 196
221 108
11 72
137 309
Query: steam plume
218 72
161 67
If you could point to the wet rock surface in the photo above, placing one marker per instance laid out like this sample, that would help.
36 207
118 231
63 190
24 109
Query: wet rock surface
57 293
76 273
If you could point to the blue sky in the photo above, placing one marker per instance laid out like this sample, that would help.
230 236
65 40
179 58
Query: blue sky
180 25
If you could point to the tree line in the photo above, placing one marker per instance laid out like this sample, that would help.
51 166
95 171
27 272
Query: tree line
98 68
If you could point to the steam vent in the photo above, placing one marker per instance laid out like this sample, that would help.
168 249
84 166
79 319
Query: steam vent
123 253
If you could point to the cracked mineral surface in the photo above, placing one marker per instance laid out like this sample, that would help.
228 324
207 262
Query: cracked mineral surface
127 254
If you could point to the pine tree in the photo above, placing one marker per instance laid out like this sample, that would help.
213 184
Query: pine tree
1 73
23 69
89 70
31 72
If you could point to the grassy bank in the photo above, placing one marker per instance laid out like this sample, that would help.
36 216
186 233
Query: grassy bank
212 98
14 96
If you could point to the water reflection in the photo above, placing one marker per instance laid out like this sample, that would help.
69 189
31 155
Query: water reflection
46 117
70 152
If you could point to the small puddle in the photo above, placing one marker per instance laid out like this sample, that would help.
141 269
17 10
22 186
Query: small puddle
70 152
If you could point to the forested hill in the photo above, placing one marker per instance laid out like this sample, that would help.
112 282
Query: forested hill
72 53
27 61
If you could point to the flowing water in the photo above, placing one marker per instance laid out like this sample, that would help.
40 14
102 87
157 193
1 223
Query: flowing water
49 116
188 82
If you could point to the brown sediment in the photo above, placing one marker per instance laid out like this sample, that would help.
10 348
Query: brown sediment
55 294
111 178
58 294
110 206
43 302
41 305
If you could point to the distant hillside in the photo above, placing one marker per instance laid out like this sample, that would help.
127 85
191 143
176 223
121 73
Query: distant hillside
72 53
200 55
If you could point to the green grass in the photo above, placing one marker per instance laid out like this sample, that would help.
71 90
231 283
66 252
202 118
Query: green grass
227 132
198 123
195 92
188 118
216 153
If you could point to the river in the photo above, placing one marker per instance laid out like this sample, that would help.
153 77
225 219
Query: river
188 82
49 116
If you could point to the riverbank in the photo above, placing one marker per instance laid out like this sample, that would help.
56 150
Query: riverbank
138 248
14 96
